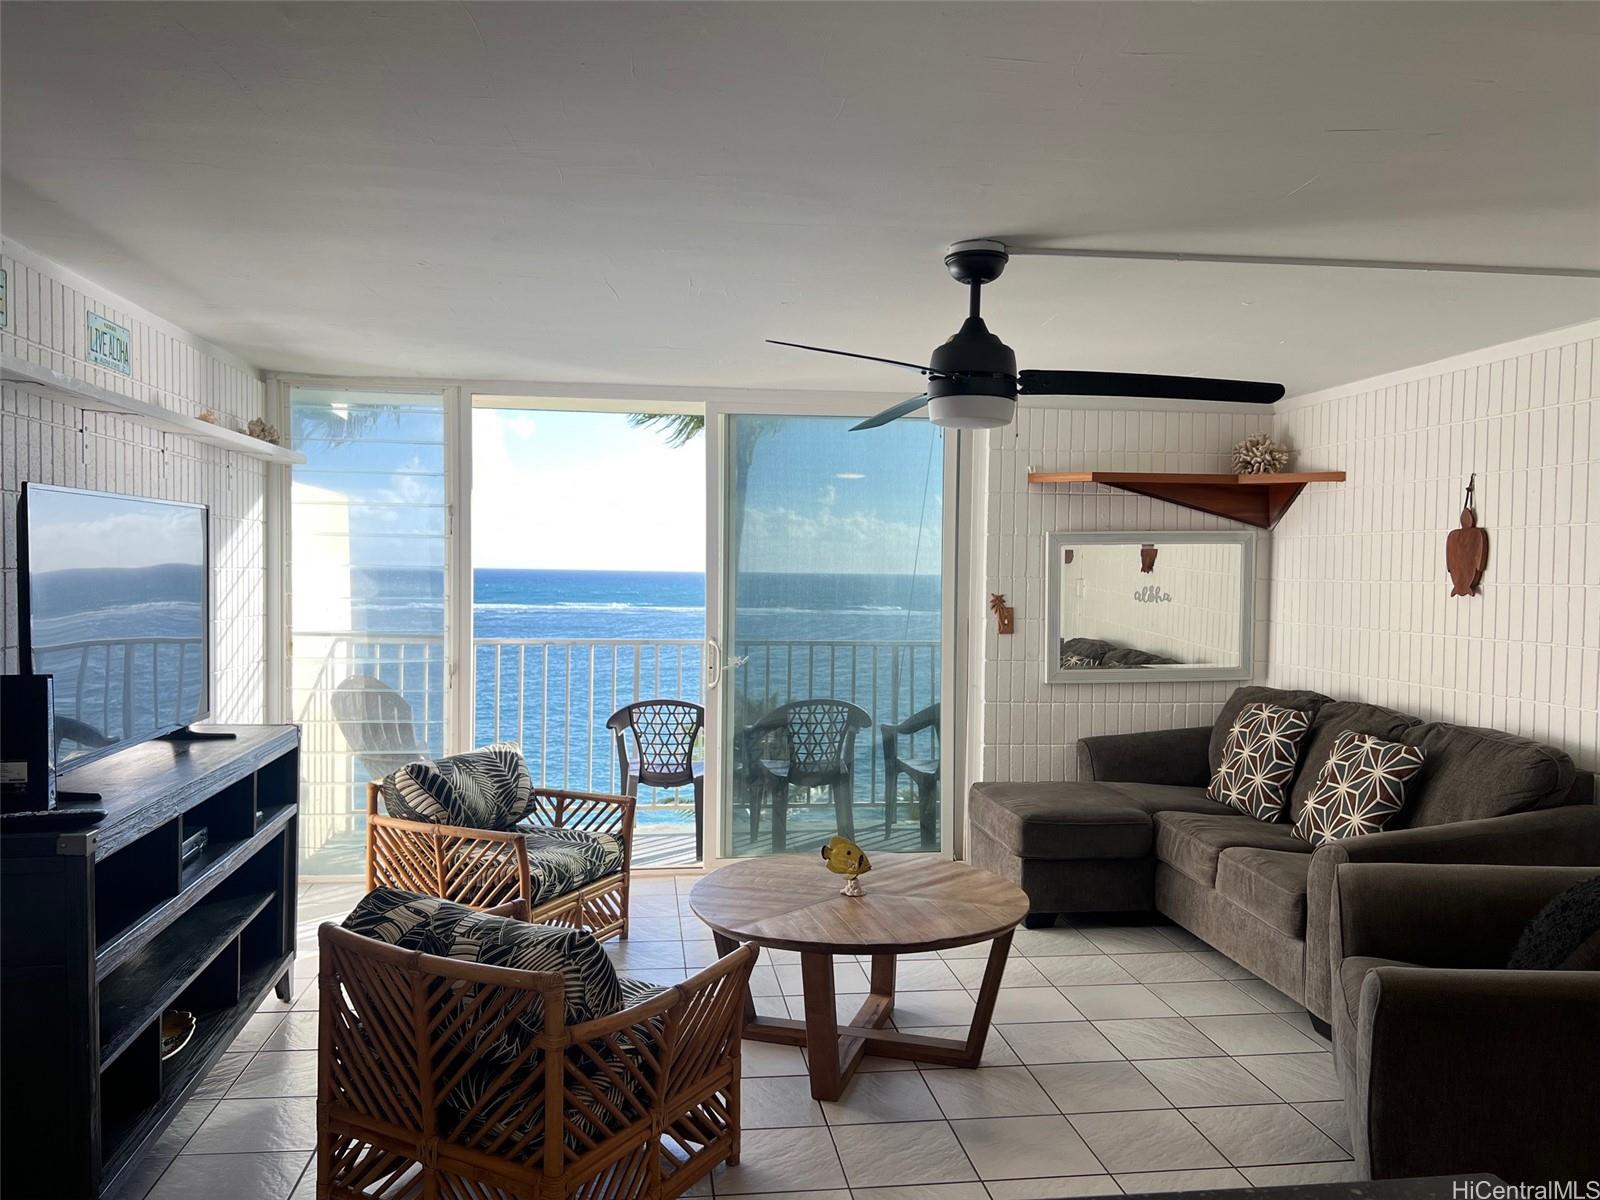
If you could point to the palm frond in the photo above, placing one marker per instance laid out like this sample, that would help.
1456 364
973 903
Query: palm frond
679 428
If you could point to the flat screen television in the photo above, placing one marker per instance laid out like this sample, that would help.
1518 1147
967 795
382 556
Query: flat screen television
115 603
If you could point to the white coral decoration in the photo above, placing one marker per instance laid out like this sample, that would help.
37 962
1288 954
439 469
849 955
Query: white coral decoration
1258 454
262 431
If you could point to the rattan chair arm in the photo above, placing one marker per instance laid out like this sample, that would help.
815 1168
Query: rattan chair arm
741 961
516 910
469 832
592 812
608 798
330 934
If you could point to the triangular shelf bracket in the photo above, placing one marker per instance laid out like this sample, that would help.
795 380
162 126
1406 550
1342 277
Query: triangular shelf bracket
1259 500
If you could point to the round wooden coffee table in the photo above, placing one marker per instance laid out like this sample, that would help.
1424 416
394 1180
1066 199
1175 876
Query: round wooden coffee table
913 902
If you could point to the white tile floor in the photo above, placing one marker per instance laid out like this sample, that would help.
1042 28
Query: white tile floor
1122 1059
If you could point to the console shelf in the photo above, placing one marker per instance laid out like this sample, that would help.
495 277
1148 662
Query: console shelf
138 993
106 929
1258 500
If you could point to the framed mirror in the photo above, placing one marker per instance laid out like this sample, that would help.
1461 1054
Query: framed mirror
1149 607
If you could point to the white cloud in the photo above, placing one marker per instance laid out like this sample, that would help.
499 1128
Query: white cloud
634 505
824 542
136 537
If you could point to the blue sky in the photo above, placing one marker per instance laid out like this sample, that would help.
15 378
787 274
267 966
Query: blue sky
587 491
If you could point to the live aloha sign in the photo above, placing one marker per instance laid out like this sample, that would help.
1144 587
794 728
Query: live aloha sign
110 345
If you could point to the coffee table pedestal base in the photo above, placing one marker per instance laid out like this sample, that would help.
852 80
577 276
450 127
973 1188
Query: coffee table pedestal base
835 1051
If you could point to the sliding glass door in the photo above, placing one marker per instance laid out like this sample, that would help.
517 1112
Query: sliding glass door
827 605
367 612
826 673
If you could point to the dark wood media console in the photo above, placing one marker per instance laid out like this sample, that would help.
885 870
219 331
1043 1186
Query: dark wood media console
106 927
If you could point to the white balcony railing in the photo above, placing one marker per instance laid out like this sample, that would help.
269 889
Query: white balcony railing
552 697
115 688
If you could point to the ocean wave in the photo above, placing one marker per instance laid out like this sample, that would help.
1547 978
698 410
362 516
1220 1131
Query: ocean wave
865 610
585 606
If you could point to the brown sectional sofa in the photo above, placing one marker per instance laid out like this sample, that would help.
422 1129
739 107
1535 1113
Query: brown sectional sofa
1136 832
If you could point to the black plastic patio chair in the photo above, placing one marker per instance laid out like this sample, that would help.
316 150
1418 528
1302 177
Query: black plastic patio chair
665 733
900 756
815 743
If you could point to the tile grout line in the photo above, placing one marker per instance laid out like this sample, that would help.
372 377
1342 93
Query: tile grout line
684 939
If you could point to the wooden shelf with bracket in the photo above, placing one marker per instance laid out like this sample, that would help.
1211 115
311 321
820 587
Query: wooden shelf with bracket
14 369
1258 500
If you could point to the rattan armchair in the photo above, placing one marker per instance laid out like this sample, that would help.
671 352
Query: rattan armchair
482 868
648 1096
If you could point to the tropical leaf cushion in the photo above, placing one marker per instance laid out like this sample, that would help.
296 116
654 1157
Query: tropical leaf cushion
561 861
1259 759
482 789
434 926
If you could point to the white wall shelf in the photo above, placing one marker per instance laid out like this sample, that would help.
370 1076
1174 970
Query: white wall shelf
14 369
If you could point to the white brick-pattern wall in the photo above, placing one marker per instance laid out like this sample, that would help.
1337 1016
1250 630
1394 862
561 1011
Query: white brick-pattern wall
1361 603
45 440
1031 728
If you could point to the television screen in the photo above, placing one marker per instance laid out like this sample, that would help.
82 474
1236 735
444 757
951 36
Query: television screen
115 605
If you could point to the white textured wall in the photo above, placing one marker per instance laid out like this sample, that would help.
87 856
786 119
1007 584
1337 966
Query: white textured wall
1360 597
45 440
1030 728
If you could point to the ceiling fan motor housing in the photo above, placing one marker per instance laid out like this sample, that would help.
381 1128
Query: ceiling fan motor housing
978 260
974 379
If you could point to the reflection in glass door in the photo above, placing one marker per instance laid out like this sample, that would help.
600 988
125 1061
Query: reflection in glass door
831 655
367 553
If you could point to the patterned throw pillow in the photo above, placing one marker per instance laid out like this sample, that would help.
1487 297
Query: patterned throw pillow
1258 760
440 927
1361 787
482 789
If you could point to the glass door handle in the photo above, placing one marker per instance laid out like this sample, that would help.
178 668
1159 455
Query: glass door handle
716 667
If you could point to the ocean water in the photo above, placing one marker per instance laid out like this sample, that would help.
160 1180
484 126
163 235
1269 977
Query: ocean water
556 652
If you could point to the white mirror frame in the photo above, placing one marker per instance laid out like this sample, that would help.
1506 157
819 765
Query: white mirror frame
1058 541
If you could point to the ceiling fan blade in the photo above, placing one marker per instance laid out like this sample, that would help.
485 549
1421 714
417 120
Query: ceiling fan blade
1168 387
893 413
893 362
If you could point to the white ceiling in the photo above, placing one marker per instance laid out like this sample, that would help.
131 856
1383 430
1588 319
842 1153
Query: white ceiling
639 193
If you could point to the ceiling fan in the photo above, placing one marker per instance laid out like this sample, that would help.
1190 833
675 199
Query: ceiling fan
973 381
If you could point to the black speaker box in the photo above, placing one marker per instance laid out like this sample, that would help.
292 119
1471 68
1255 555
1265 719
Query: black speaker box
27 743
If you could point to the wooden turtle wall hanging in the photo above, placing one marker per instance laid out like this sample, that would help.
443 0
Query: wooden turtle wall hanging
1466 550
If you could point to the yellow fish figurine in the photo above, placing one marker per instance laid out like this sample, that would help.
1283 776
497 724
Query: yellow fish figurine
846 858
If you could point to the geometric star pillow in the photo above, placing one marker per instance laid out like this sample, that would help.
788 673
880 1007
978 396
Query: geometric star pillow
1361 787
1258 760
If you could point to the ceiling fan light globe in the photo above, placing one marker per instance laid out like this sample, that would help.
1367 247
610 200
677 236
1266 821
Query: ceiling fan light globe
970 410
